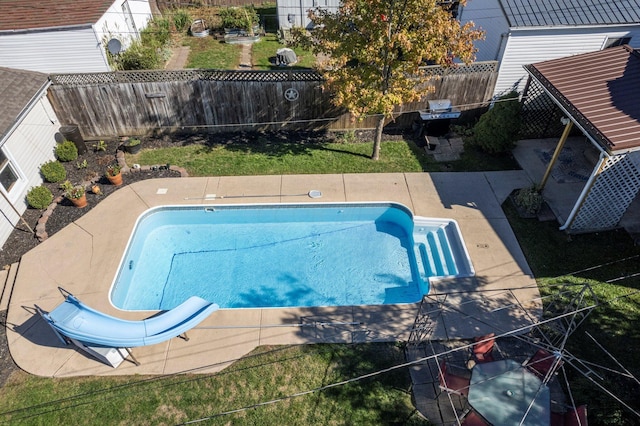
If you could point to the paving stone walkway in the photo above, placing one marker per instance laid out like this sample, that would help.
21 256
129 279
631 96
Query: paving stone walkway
444 149
178 58
245 57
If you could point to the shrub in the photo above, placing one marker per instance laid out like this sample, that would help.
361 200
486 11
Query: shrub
211 16
39 197
529 199
100 146
497 130
66 151
181 19
243 18
140 57
157 33
53 171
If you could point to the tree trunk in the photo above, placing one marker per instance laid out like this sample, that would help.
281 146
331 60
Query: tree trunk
378 138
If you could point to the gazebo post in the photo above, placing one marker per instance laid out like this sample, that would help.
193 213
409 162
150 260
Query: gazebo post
565 135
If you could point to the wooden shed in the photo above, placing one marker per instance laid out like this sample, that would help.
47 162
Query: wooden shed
28 126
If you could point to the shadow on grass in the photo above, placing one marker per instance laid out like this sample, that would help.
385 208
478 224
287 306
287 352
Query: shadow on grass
272 144
355 145
342 151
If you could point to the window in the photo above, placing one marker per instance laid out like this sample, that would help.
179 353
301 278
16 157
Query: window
616 41
8 177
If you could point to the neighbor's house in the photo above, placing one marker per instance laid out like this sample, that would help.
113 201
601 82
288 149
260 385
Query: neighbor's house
521 32
28 125
294 13
70 36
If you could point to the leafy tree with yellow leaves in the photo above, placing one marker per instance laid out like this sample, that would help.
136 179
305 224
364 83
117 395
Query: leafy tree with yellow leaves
374 52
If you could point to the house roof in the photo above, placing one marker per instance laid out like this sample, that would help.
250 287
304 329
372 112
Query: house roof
600 91
537 13
17 89
30 14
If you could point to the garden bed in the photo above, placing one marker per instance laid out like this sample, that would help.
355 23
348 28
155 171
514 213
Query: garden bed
22 240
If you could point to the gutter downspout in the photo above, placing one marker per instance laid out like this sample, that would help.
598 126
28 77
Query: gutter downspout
585 192
501 46
103 50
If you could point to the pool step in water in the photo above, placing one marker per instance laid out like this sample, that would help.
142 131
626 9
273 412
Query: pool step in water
435 249
433 253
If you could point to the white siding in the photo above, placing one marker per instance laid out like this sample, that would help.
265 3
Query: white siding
297 10
29 146
62 51
113 23
73 49
487 16
530 46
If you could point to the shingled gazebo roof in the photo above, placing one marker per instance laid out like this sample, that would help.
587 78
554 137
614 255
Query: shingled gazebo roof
599 91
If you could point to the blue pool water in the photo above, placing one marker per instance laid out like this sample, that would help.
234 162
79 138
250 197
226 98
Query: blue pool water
284 255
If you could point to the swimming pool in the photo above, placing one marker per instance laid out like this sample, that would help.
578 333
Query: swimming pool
285 255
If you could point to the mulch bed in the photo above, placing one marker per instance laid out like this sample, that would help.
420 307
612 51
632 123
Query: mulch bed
22 239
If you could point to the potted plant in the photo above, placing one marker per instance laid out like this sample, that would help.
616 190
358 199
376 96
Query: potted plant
132 146
75 193
114 174
528 201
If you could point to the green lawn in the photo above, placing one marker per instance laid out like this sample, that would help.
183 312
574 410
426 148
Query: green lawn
264 52
263 157
267 374
207 53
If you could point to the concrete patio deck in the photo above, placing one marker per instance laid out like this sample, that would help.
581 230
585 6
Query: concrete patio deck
83 259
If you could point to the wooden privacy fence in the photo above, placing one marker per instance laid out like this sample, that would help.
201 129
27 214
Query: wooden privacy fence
126 103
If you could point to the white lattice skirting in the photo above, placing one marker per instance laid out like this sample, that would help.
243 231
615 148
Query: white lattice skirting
614 189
